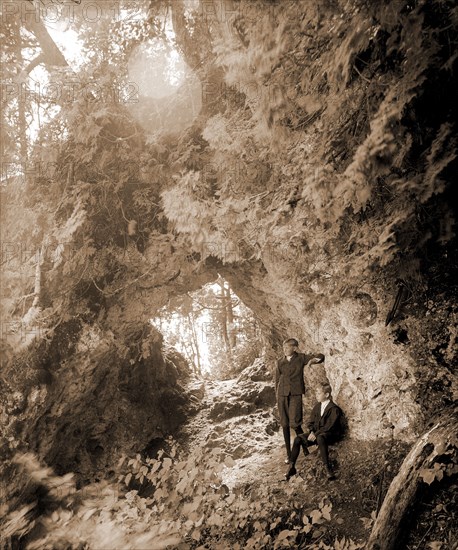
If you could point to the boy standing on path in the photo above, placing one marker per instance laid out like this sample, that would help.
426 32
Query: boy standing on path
289 388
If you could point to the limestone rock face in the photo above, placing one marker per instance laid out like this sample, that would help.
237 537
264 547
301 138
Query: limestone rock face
103 401
113 388
257 372
328 183
237 415
375 378
246 396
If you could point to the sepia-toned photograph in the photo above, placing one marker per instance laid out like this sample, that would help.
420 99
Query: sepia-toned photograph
229 275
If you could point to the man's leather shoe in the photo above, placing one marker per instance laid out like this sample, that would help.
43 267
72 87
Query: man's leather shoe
291 472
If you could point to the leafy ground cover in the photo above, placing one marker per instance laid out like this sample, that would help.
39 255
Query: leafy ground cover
192 493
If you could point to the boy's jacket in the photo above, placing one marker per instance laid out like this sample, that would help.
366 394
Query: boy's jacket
289 375
329 423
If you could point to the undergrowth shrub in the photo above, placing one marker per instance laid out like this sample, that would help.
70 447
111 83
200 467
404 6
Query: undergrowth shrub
172 501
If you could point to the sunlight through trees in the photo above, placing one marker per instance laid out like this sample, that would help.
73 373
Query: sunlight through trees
212 327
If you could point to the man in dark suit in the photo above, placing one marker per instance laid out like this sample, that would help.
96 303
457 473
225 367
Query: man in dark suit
325 428
289 388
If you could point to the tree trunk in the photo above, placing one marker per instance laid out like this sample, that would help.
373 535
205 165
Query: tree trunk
230 318
22 123
190 355
194 54
52 56
223 317
401 494
195 343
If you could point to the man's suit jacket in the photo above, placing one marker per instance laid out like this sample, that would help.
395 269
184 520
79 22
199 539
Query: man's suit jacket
289 375
329 423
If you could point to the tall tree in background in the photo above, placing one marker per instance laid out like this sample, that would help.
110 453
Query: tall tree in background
213 318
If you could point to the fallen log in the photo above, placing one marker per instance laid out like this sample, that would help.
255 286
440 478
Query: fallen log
421 465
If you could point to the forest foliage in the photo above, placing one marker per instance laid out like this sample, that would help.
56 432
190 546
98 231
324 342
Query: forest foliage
327 132
213 329
317 140
324 139
183 500
173 500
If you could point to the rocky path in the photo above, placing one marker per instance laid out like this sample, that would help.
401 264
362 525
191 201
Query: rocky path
238 416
